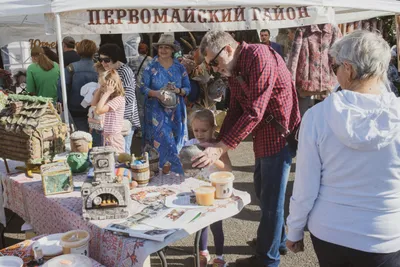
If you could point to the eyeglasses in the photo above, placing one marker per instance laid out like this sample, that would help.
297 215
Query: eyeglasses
214 62
335 68
105 59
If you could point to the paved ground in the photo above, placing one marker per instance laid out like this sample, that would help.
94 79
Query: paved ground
238 230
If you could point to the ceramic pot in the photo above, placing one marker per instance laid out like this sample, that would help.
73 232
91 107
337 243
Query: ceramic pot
171 99
186 154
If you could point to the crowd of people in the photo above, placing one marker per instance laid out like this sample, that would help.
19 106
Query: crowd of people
347 168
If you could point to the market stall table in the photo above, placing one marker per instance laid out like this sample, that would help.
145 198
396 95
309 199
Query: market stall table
62 213
24 251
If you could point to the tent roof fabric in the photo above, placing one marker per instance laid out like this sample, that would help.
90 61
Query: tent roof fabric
28 7
24 7
71 5
24 19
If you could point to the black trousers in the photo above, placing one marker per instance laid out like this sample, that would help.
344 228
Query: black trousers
331 255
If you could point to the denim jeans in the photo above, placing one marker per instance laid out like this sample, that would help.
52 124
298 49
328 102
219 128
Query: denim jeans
270 179
97 137
81 124
128 141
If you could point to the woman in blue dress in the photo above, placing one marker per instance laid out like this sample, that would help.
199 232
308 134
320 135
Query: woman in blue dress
165 128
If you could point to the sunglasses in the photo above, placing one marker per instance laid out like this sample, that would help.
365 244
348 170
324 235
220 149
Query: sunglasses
335 68
214 62
105 59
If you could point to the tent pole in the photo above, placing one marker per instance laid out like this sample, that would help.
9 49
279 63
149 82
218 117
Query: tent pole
61 60
151 44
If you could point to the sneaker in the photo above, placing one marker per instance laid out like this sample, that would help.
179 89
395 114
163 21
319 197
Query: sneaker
219 263
253 261
283 251
252 243
204 259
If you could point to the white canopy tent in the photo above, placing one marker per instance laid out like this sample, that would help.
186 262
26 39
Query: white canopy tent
24 7
58 6
121 16
23 19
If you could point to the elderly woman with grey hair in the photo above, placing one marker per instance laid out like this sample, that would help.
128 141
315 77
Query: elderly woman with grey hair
347 185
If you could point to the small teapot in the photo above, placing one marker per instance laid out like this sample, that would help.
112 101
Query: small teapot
171 100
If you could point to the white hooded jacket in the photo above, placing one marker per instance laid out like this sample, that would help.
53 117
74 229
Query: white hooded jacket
347 184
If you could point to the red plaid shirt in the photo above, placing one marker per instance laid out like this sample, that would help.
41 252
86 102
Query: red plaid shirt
261 85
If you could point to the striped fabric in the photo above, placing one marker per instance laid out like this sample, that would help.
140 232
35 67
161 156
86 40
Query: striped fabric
113 119
128 81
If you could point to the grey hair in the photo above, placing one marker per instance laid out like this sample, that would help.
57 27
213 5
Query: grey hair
367 52
215 41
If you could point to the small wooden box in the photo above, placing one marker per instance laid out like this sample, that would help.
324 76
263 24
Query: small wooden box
56 178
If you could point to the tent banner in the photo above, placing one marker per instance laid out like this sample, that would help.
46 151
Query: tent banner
127 20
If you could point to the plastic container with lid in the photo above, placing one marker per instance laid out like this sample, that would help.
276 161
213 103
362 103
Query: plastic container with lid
223 183
11 261
76 242
205 195
69 260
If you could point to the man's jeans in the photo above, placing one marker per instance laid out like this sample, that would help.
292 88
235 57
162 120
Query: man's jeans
97 136
128 141
270 179
81 124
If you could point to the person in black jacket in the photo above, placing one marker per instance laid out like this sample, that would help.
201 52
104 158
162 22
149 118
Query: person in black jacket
70 55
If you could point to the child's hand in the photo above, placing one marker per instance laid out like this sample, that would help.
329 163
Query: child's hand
110 87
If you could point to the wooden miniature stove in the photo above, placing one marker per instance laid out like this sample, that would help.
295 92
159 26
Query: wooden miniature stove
103 197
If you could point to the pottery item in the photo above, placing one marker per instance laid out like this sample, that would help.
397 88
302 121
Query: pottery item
187 153
154 159
223 183
216 89
171 100
81 142
141 170
78 162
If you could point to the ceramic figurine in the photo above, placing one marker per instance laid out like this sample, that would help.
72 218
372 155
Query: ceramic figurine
106 196
31 131
56 178
78 162
81 142
140 169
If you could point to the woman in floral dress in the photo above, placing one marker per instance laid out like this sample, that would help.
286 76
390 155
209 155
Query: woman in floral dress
165 129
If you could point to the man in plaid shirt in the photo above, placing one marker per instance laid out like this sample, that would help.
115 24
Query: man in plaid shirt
261 89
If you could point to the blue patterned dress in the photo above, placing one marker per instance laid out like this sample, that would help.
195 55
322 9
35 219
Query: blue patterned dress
165 129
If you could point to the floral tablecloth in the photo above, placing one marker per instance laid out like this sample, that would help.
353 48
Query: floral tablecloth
23 250
62 213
